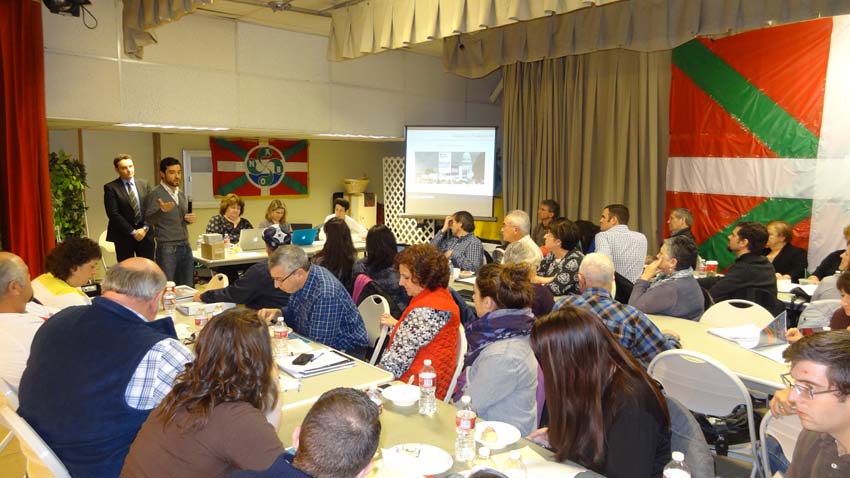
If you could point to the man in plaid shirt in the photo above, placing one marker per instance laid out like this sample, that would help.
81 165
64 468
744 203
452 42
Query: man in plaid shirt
95 372
319 306
630 326
458 242
626 248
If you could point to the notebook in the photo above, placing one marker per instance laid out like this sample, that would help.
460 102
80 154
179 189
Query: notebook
752 337
251 240
327 360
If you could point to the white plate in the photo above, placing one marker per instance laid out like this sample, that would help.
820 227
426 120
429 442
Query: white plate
507 433
402 395
425 459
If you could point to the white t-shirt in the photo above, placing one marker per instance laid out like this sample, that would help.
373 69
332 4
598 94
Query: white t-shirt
358 232
16 334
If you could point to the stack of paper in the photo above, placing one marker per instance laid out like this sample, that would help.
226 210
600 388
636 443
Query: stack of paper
324 361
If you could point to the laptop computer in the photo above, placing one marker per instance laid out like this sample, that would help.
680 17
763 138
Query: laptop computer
251 240
304 237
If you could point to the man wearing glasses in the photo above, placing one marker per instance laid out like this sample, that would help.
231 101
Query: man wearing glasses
319 306
817 391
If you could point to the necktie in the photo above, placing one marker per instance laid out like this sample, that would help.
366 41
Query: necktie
134 202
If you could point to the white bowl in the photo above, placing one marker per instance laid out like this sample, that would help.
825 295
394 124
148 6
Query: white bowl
402 395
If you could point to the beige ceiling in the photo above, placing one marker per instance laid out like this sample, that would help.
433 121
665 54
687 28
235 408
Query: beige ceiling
305 16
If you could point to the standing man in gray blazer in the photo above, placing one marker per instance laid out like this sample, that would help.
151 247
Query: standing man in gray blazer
124 200
169 213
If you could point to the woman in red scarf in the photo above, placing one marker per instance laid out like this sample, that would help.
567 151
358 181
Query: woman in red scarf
428 328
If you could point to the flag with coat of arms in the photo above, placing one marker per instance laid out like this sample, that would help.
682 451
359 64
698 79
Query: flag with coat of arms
252 168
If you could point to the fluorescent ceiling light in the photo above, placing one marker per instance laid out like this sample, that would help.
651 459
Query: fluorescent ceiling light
170 126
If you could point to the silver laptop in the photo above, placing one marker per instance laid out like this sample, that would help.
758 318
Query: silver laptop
251 240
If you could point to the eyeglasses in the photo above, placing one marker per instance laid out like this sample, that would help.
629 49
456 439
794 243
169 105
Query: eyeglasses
803 390
279 280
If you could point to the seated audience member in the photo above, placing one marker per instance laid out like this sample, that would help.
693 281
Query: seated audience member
379 264
631 327
789 261
826 288
840 318
458 242
338 254
337 439
255 288
605 412
521 247
276 216
96 371
559 268
340 209
680 222
229 221
319 306
626 248
548 211
829 264
818 386
221 415
499 348
751 270
17 326
667 285
69 265
428 328
588 231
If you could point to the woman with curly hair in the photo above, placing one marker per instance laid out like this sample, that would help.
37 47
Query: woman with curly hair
69 265
229 221
428 328
605 412
338 253
219 416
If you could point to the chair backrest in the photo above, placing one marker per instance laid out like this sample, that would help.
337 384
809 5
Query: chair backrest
106 247
371 309
732 312
218 281
785 430
8 392
703 385
38 454
461 355
762 297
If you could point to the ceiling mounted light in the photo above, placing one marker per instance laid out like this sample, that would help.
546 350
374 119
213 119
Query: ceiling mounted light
279 5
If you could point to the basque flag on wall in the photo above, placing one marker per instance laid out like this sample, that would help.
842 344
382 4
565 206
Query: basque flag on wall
758 132
260 168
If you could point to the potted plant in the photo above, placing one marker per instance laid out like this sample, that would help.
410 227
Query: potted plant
67 188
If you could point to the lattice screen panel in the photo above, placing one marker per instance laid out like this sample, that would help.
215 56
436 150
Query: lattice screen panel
406 230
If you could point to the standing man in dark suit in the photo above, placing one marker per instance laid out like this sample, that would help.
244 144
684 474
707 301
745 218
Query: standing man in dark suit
124 200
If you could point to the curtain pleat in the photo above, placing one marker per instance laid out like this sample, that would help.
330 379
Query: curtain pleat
588 130
141 17
26 217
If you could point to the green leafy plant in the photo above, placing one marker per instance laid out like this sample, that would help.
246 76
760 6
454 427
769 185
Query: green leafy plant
67 188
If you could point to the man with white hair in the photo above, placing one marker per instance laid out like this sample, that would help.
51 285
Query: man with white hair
96 371
17 326
626 248
521 247
630 326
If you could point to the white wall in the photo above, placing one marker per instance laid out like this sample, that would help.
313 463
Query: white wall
211 71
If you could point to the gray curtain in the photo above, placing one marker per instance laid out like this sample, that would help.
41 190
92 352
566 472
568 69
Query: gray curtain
588 130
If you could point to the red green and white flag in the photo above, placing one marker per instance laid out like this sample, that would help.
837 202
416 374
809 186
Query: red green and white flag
253 168
760 130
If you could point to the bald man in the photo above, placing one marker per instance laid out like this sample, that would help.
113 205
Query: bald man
95 372
17 326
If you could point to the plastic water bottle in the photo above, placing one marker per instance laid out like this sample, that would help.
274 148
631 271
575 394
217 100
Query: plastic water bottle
465 425
280 336
515 468
169 298
427 389
677 467
483 461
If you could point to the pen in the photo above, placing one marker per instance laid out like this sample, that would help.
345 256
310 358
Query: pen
317 355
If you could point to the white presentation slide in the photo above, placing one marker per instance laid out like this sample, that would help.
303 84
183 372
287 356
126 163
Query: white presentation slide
449 169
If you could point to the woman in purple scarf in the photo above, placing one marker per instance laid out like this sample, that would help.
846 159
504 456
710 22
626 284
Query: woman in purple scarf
501 371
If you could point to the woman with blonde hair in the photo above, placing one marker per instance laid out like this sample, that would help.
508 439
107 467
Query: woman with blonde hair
229 221
276 216
789 261
218 417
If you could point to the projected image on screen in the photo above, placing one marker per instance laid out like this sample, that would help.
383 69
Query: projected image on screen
449 169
